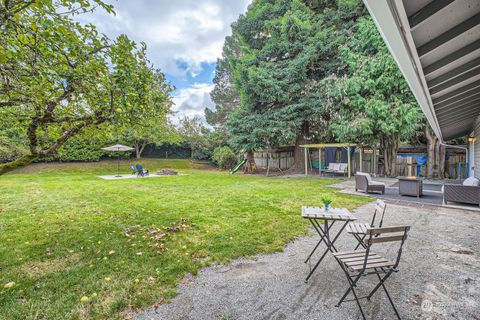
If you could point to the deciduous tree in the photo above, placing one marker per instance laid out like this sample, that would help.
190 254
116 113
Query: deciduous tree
59 77
193 133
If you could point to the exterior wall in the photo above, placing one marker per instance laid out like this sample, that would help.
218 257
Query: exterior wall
476 150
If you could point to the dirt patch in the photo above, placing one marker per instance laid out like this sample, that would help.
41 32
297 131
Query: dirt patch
40 269
203 166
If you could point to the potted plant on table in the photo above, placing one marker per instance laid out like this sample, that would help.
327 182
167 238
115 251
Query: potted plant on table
327 202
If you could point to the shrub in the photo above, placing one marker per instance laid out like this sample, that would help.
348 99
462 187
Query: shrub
78 149
11 148
223 157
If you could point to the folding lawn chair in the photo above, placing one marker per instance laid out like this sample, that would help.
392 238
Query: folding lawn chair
361 263
359 229
141 171
134 171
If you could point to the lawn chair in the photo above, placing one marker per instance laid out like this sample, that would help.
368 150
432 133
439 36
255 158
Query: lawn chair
141 171
134 171
361 263
359 229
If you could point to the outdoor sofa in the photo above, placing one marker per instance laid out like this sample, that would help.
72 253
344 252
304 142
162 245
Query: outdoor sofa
337 168
464 191
364 182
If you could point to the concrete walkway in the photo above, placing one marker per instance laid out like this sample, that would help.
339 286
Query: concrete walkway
439 277
134 176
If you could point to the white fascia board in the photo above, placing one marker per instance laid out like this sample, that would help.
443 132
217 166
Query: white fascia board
399 41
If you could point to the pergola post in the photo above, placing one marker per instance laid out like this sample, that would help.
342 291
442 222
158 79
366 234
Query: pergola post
349 161
306 160
319 160
361 159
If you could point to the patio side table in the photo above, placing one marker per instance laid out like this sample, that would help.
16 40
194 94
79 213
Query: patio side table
410 186
318 216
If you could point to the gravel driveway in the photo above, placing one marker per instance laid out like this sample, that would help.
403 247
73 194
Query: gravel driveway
439 277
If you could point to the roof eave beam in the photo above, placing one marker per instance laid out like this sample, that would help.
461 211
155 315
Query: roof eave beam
448 35
426 12
460 53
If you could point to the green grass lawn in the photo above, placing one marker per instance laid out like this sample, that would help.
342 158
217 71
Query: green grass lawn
124 244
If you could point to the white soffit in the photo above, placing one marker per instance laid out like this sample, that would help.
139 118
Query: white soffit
436 44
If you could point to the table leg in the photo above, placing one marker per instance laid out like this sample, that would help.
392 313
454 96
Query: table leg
320 232
329 244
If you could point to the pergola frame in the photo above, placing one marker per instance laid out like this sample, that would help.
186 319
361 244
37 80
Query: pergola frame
320 146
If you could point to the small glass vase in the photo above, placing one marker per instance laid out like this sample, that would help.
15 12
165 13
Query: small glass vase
326 206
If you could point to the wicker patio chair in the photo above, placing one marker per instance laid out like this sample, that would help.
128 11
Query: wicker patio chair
364 182
454 190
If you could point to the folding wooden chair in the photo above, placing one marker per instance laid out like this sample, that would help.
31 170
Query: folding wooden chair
359 229
364 262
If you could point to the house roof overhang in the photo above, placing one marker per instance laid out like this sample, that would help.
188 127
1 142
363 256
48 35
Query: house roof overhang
436 44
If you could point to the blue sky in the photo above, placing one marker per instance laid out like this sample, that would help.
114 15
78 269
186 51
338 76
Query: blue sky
184 39
204 75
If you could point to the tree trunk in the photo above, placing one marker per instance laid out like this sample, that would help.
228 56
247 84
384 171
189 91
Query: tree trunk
389 146
431 140
137 151
436 166
394 149
18 163
139 147
144 144
441 162
250 165
299 154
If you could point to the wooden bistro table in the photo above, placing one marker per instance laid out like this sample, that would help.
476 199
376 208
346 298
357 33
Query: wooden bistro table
318 217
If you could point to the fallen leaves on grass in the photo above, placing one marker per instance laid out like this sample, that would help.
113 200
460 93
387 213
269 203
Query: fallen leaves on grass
157 235
21 299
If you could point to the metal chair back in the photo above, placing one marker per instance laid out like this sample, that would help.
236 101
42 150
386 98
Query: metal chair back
380 208
387 234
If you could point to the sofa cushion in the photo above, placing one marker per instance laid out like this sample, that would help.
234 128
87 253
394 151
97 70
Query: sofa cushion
369 178
376 183
471 181
336 166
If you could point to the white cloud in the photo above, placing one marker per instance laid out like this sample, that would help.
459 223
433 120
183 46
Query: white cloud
191 31
192 101
180 36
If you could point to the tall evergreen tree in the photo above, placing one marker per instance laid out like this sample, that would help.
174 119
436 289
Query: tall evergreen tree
375 105
287 48
224 94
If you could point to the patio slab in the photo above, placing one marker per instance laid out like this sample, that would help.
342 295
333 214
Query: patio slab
132 176
439 277
432 194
